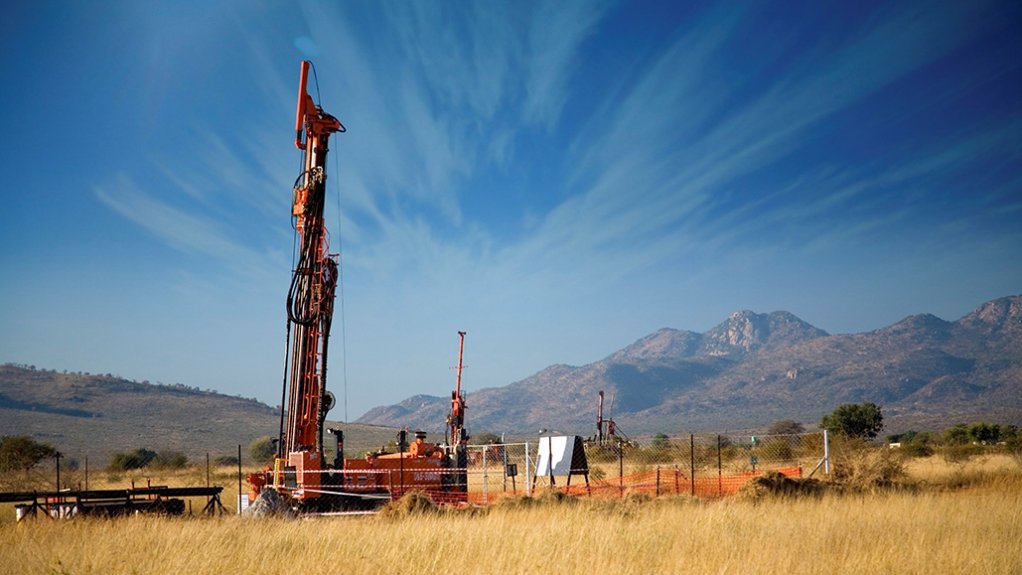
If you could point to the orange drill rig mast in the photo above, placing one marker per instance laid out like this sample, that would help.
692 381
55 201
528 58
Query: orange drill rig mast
300 471
310 303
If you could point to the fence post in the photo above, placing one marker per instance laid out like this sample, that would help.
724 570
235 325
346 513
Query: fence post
692 462
826 453
486 496
621 468
550 458
239 479
720 472
208 498
528 484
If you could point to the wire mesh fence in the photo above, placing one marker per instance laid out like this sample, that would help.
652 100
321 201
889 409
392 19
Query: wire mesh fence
701 465
697 465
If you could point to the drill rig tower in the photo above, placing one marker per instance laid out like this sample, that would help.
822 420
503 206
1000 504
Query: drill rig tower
310 302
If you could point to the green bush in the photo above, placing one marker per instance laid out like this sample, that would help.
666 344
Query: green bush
786 427
913 443
602 453
961 453
916 449
956 435
170 460
660 442
136 459
262 450
731 452
225 460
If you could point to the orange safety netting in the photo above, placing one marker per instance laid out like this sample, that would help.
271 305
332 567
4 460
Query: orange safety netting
656 482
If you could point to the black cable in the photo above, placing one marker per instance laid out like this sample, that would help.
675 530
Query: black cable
340 284
319 98
315 77
299 308
283 393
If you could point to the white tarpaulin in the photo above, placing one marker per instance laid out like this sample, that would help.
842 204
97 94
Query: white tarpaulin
556 451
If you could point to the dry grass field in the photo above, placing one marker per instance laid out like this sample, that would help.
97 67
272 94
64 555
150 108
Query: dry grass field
945 518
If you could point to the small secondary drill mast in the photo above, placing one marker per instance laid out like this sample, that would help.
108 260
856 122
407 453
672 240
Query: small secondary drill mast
456 434
456 419
310 301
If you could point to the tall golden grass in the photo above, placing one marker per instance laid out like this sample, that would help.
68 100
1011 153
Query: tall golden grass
955 527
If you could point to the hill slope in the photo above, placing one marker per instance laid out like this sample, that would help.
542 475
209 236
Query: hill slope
753 369
97 415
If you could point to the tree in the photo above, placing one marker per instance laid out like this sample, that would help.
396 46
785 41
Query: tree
862 420
785 427
660 442
170 460
904 437
136 459
956 435
985 433
262 449
21 452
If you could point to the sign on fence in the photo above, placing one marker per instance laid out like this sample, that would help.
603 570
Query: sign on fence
561 455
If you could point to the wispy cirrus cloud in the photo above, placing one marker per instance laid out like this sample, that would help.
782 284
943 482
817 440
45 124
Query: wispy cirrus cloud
407 154
676 149
185 229
438 94
662 168
486 176
440 98
555 37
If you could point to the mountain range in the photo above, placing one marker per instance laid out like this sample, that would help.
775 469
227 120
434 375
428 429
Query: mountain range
749 371
753 369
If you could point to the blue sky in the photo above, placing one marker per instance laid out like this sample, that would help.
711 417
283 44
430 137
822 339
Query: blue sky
557 179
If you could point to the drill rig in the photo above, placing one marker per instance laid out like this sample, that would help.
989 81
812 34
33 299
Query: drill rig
457 436
300 471
607 431
438 470
310 300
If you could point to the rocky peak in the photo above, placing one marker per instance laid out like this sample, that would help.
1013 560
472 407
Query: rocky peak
921 367
745 331
1000 314
663 344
